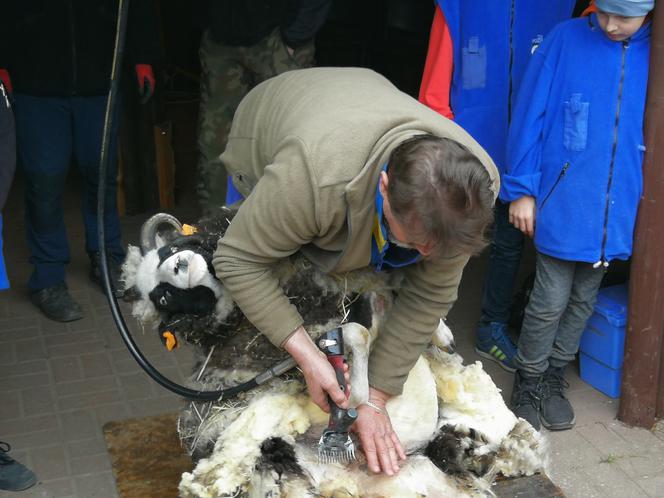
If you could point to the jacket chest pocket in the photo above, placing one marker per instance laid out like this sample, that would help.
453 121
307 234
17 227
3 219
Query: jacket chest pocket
575 127
473 64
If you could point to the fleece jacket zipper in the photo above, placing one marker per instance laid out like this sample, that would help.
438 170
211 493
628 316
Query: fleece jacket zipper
602 259
511 64
555 184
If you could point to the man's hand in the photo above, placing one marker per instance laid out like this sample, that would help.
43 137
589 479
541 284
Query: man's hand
380 443
522 214
318 373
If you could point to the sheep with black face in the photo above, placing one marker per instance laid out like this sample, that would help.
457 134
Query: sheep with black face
451 418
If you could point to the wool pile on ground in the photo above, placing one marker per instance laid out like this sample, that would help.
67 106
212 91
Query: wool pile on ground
267 446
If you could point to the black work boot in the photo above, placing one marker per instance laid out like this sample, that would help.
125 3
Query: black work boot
525 398
14 476
57 304
556 412
114 272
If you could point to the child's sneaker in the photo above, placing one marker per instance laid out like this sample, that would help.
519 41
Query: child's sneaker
494 343
525 402
556 412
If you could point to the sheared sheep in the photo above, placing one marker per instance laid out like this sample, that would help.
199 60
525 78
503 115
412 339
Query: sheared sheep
451 418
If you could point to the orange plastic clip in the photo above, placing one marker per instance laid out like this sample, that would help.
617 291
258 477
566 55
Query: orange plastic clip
188 229
170 341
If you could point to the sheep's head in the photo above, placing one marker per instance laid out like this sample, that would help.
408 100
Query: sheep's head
186 263
172 273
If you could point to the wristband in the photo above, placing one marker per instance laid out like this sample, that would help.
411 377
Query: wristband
376 407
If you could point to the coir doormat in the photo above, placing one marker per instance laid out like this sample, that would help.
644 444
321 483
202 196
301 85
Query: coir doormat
146 456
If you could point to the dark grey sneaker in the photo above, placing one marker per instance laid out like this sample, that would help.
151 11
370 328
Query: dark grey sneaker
14 476
114 271
525 399
556 412
57 304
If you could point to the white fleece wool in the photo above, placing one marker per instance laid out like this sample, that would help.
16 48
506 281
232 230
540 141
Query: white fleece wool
440 390
414 414
523 452
417 477
469 397
238 447
136 272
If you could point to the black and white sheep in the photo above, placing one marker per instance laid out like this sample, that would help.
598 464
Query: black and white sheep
451 418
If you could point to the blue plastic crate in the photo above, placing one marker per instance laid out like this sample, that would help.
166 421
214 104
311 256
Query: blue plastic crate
604 336
4 281
601 377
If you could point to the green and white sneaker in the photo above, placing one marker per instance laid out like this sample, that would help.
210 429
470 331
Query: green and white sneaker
494 343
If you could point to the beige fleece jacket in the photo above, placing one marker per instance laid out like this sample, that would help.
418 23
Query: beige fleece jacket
306 149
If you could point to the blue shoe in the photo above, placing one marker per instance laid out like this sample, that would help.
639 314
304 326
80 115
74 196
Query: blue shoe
494 343
14 476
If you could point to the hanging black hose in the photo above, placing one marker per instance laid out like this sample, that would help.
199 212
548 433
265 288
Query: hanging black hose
121 27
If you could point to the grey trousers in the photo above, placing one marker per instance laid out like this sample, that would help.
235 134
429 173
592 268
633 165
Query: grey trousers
560 304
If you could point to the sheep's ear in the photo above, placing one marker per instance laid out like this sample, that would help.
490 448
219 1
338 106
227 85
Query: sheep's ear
132 294
159 241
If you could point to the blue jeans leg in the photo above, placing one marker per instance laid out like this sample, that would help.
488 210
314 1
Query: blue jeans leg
44 139
88 123
504 259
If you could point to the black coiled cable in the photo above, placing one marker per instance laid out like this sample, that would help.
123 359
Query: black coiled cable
185 392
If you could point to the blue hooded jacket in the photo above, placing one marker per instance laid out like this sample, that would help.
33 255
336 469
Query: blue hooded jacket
576 141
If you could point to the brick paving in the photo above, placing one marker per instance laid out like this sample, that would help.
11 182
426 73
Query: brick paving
60 383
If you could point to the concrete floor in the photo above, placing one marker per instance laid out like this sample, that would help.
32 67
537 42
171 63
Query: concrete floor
60 383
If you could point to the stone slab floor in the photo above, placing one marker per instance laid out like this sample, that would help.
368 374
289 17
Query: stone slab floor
59 383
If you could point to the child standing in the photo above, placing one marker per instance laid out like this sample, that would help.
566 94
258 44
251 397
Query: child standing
478 54
574 180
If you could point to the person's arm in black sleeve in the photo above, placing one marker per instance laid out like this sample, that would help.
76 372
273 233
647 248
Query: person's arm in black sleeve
310 17
7 37
7 147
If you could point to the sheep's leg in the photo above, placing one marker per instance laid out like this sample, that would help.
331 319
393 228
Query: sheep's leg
443 338
358 340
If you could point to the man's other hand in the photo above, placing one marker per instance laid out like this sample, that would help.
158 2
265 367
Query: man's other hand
380 443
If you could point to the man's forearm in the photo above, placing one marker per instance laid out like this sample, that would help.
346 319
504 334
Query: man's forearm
300 346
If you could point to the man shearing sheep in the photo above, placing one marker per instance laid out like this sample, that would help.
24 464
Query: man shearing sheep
340 165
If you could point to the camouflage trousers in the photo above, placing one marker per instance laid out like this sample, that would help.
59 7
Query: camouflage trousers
227 75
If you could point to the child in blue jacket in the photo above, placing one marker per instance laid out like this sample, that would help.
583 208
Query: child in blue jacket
573 181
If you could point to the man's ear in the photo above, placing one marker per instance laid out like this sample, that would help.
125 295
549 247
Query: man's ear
382 183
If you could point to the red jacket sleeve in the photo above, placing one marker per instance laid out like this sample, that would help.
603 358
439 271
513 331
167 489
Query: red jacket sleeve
437 77
590 9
